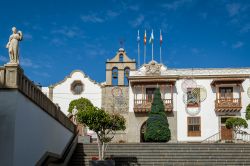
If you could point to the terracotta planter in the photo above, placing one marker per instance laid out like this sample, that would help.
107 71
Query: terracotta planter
102 163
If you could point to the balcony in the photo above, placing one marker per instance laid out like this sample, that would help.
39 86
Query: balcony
144 106
228 105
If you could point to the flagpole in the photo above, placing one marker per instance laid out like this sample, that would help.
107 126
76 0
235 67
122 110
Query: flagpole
153 51
138 55
145 42
138 42
152 41
160 55
160 46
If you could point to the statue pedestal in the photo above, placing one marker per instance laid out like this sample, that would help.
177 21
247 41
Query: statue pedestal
13 72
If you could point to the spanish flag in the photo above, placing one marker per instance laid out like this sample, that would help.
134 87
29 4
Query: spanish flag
145 38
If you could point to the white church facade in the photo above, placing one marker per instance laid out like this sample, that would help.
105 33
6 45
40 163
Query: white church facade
197 101
74 86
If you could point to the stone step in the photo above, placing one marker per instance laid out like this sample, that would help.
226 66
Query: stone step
167 154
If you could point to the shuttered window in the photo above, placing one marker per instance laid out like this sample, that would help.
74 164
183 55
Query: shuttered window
194 126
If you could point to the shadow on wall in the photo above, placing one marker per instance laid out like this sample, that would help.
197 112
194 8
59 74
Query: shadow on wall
124 160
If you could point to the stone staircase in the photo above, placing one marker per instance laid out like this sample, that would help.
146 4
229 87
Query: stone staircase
155 154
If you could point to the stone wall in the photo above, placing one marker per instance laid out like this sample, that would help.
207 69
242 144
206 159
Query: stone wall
31 125
12 77
115 99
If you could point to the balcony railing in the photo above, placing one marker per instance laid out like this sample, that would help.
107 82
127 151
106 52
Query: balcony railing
143 105
229 104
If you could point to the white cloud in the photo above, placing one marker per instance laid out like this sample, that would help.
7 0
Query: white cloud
69 32
134 7
195 50
245 29
100 18
42 74
28 63
57 42
112 14
92 18
28 36
233 9
176 4
3 59
237 44
138 21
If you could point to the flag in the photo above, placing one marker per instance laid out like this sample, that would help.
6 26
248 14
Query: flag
151 40
145 38
138 37
160 37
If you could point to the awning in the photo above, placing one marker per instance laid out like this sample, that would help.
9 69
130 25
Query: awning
227 81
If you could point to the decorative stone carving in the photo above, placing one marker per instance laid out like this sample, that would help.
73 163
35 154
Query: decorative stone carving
13 45
194 72
153 68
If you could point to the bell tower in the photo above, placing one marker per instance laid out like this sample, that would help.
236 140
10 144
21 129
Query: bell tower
118 68
115 92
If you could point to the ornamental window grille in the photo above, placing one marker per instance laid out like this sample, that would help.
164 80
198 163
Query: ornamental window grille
77 87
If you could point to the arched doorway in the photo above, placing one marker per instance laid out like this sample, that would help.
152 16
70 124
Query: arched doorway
142 131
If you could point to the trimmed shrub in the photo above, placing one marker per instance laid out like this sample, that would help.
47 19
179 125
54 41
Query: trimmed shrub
157 129
248 112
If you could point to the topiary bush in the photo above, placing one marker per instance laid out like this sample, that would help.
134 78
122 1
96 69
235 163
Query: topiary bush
247 116
236 123
157 127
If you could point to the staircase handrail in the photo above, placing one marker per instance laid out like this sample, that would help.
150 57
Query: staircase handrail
213 138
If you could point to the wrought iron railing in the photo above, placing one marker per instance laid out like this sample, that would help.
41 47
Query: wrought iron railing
143 105
242 136
212 139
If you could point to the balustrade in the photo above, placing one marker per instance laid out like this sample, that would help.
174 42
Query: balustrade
12 77
143 105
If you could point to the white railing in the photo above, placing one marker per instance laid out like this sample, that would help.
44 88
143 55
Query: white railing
242 136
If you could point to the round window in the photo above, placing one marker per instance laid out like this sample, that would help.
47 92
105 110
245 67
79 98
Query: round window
77 87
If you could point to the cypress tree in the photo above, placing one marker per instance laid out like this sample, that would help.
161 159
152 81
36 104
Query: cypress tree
157 129
247 116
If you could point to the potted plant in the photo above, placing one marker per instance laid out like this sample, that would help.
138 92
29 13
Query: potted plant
236 123
104 125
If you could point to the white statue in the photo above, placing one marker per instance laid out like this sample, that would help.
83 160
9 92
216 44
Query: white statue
12 45
74 112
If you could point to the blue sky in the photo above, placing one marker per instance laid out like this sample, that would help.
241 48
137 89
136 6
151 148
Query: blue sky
61 36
